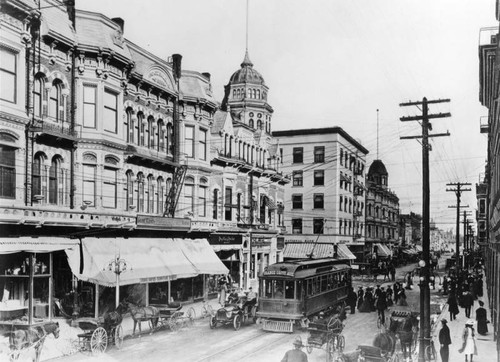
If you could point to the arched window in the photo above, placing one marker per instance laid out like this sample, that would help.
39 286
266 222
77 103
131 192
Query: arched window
160 195
140 129
130 125
55 102
150 133
161 136
140 192
250 123
170 136
202 198
150 195
259 124
37 172
249 93
38 96
89 169
55 178
130 190
189 195
258 93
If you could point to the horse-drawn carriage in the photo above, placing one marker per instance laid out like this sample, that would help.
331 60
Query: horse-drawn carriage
24 337
326 331
100 332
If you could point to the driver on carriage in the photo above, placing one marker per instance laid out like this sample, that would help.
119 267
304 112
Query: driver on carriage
233 297
251 299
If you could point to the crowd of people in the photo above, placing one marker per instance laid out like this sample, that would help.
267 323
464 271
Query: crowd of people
378 299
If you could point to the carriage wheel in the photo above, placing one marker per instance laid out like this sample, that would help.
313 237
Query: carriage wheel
173 321
237 322
99 341
119 336
190 315
213 322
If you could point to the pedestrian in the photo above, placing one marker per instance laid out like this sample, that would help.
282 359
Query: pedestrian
396 292
402 298
468 302
444 341
389 294
360 297
381 304
351 300
482 319
452 306
295 355
392 271
468 341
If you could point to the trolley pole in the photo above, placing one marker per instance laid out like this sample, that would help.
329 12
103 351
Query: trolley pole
458 192
425 307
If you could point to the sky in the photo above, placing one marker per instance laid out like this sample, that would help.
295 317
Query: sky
334 63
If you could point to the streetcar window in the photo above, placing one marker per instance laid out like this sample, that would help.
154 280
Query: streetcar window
278 288
309 287
330 282
289 289
316 285
323 283
299 290
268 289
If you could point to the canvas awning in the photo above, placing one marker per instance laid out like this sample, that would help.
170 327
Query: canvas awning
344 251
383 250
36 245
147 260
220 247
300 250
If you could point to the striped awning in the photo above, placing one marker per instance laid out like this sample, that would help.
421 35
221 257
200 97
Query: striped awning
301 250
383 250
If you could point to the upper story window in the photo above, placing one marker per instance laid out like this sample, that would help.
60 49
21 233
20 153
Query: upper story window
8 75
89 182
109 187
110 117
319 202
296 226
38 96
89 106
189 195
7 171
202 198
318 225
215 204
55 101
129 190
319 178
55 181
298 155
297 178
228 207
341 158
297 201
319 154
189 141
203 145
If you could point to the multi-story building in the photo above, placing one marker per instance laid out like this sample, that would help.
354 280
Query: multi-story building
382 212
117 156
325 201
489 67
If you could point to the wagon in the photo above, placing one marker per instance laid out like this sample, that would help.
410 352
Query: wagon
172 317
326 331
99 333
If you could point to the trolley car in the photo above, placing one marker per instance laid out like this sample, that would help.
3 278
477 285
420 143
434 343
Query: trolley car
295 291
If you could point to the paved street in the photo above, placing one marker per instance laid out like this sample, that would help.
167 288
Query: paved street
250 343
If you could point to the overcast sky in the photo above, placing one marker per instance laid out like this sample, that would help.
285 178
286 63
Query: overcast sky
334 63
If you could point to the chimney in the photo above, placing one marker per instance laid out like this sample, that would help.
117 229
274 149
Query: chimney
176 65
70 8
120 22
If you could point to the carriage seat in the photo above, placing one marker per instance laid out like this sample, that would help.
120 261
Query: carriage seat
370 351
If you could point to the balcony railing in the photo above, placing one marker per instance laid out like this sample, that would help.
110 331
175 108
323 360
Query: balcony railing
52 127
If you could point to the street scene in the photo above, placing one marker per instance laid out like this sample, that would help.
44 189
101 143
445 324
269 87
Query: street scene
249 180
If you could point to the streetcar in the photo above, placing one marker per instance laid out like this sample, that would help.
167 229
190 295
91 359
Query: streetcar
295 291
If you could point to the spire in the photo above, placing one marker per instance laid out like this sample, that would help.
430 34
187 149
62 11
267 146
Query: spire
246 61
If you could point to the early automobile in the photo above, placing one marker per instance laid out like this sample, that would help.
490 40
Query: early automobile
235 313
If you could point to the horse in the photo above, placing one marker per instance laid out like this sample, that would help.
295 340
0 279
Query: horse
140 314
22 339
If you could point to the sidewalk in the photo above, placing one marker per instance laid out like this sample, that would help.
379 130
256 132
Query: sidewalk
486 346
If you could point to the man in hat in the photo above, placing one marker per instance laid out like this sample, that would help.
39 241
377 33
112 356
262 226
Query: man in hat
444 340
295 355
482 319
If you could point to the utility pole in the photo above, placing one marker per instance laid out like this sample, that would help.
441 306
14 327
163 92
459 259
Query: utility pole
458 192
425 306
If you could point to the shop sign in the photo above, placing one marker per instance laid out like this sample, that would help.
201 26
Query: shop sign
226 239
158 222
260 242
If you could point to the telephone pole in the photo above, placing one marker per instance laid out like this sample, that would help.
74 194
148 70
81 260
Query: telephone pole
425 305
458 192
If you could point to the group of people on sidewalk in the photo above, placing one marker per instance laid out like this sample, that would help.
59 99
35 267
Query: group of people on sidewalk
369 299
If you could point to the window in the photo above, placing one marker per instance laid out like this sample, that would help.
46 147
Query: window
89 184
319 178
202 151
227 204
297 201
250 123
109 188
170 136
7 170
216 201
189 141
89 107
297 178
189 195
130 190
37 175
318 225
53 180
130 126
110 112
160 192
8 77
150 192
202 200
55 100
319 201
298 155
38 96
296 226
341 202
341 157
140 192
319 154
140 129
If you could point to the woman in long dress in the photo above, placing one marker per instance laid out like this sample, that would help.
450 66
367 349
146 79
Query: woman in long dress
468 341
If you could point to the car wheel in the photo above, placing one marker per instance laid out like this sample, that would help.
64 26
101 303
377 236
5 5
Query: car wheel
213 322
237 322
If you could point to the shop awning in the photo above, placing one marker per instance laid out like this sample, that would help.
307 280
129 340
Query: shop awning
148 260
202 256
345 252
36 245
383 250
220 247
302 250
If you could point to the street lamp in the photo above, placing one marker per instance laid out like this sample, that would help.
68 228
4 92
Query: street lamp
117 266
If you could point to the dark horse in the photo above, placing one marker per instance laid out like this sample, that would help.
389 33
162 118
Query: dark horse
402 327
33 337
140 314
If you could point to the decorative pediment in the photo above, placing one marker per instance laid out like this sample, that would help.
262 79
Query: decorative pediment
159 77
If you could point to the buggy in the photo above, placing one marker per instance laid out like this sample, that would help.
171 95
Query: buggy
326 331
100 332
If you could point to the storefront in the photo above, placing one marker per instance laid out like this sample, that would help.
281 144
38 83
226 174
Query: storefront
146 270
27 277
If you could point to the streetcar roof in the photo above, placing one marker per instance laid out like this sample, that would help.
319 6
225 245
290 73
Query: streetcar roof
302 268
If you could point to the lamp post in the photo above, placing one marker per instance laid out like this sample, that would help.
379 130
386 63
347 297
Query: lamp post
117 266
